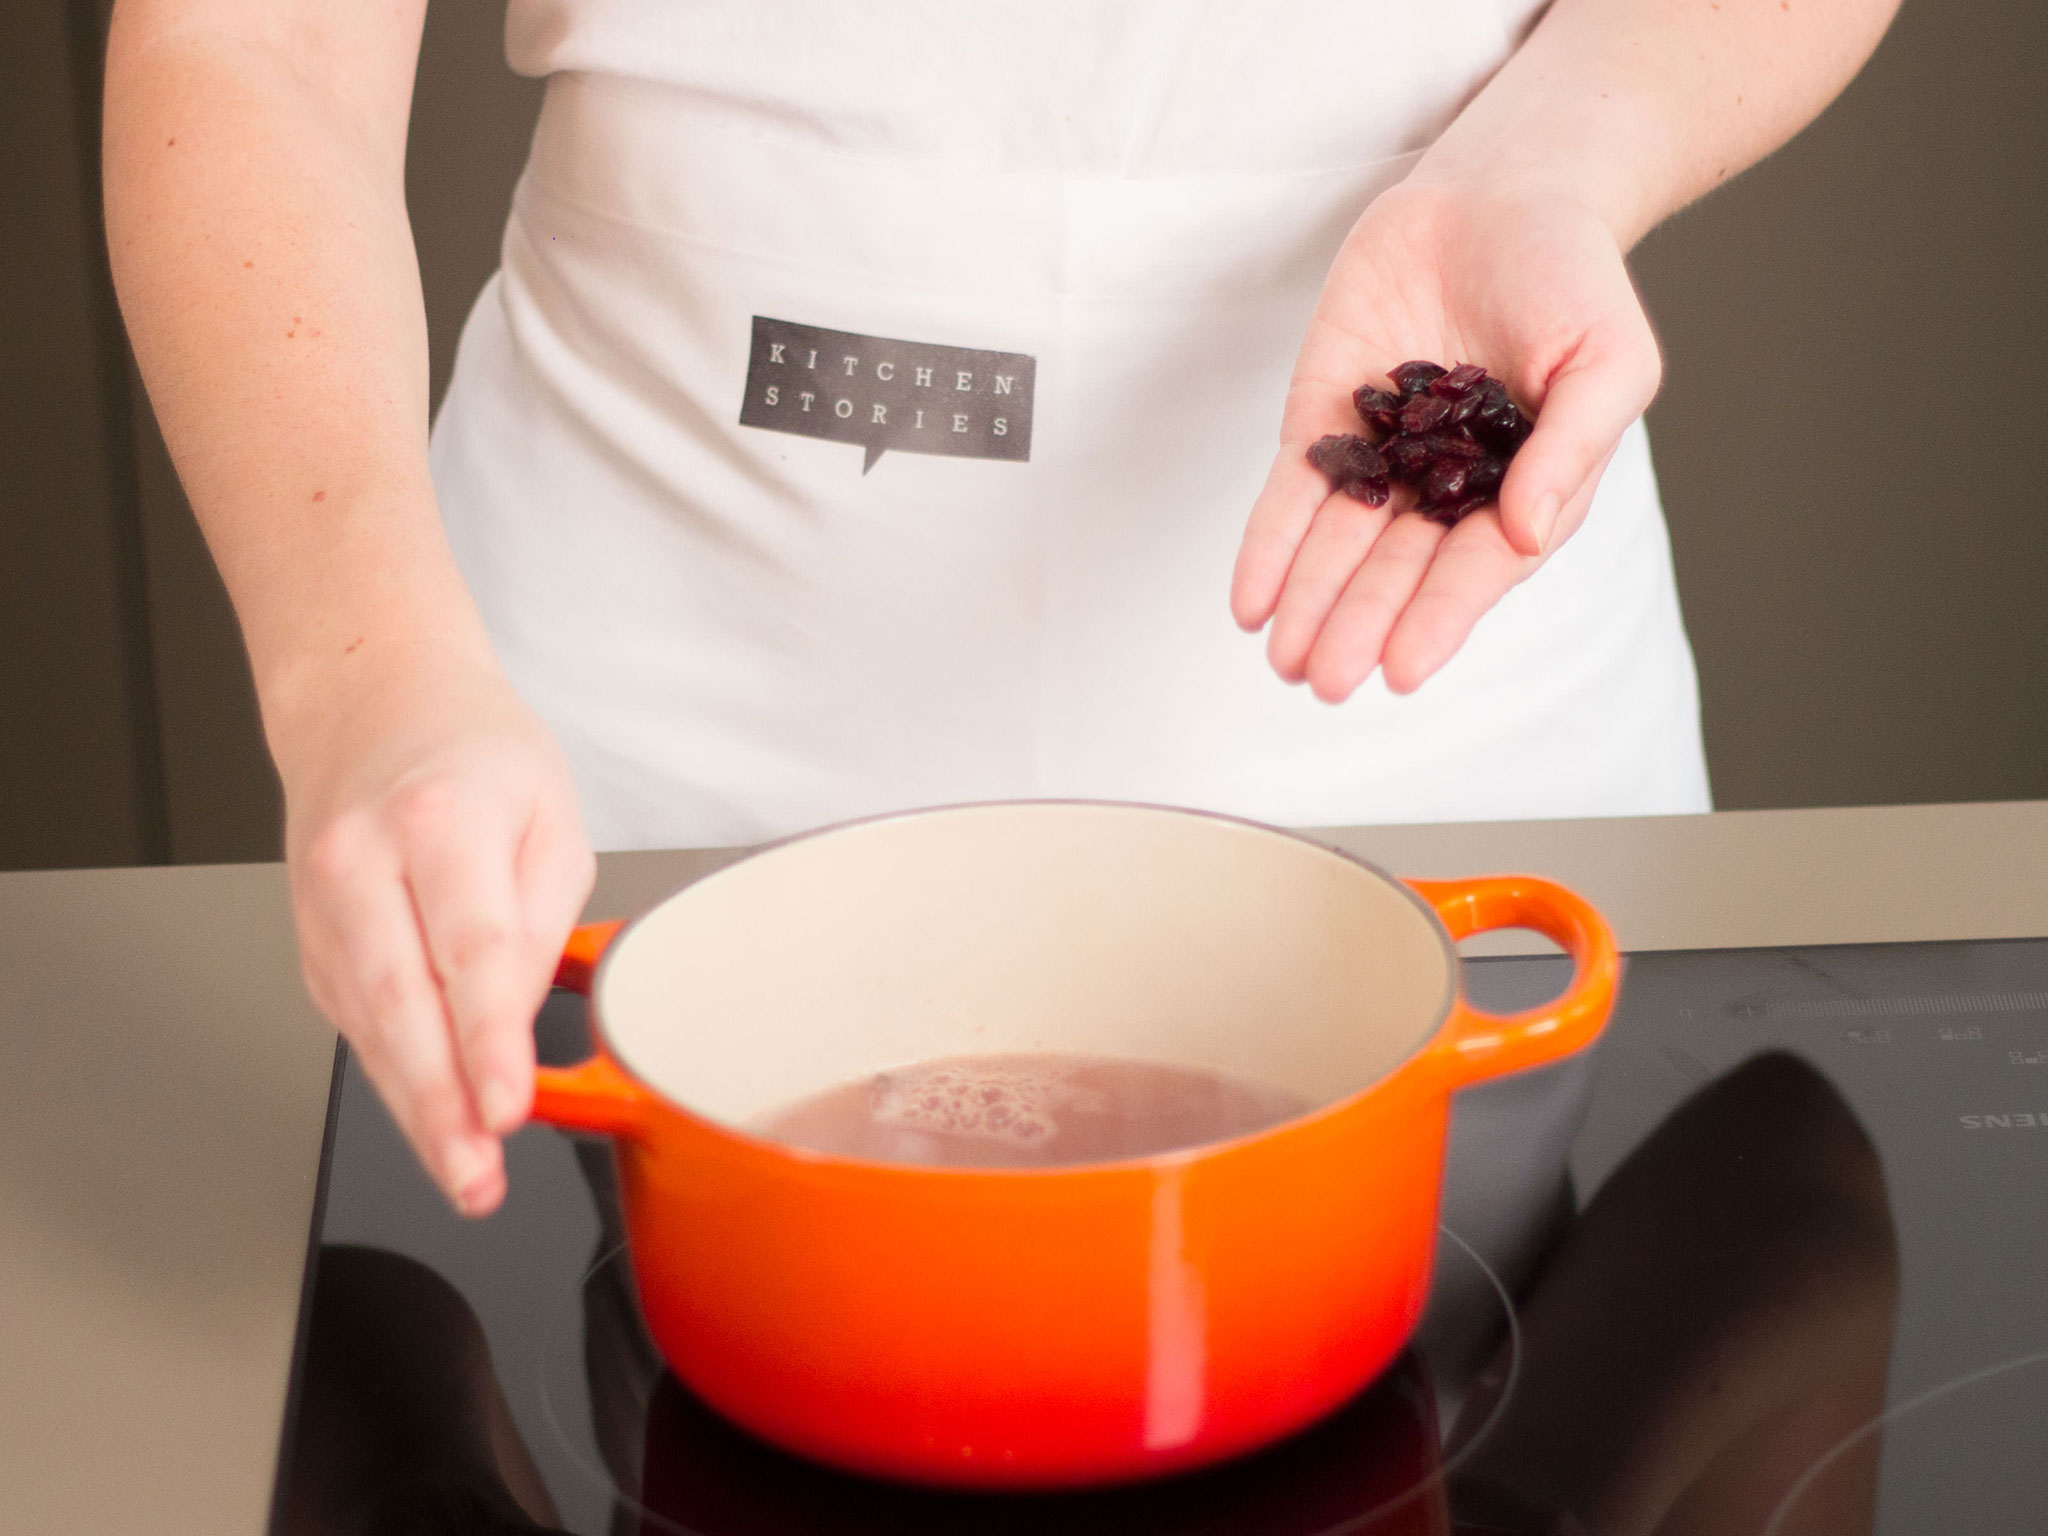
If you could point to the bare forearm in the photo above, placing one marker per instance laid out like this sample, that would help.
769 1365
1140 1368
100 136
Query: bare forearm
1639 106
265 266
256 211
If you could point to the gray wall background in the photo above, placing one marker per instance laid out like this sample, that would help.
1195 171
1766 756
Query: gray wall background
1850 441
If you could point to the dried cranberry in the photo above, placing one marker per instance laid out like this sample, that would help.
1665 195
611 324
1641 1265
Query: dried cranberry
1367 400
1505 437
1333 454
1493 394
1380 408
1413 378
1407 456
1450 445
1355 467
1444 483
1425 413
1464 408
1497 422
1459 382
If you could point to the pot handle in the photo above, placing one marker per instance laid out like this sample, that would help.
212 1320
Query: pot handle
597 1094
1474 1044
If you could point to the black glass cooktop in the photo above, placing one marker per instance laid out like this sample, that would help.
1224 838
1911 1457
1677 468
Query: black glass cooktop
1773 1262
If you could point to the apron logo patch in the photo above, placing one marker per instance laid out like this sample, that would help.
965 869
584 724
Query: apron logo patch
884 394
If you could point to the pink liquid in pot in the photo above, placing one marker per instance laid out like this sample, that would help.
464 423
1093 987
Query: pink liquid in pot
1028 1111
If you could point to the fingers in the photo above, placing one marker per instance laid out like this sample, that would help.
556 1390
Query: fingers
1287 504
1591 400
1354 637
460 849
431 916
1336 541
1283 513
367 966
1474 568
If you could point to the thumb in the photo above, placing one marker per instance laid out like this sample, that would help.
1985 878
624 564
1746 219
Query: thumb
1592 398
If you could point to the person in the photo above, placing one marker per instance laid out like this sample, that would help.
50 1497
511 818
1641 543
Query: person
640 580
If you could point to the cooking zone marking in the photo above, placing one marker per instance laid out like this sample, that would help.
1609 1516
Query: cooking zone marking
1891 1007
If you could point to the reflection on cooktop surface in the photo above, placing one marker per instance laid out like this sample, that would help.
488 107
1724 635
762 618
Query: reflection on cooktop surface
1790 1287
1376 1465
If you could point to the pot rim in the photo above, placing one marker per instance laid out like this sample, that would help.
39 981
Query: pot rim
1150 1162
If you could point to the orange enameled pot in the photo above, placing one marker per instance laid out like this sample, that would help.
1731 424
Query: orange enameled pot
1056 1326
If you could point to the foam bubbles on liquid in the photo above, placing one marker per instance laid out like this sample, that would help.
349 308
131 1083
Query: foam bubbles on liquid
1007 1101
1027 1111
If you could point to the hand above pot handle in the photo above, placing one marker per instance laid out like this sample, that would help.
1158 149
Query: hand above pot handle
1474 1044
596 1094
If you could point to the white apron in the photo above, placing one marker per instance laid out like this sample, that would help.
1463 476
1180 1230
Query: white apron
1078 241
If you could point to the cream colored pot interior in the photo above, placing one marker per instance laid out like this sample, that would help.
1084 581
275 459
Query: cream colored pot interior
1108 930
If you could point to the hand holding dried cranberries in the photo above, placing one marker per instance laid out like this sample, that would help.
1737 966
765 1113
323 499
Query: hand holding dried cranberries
1448 432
